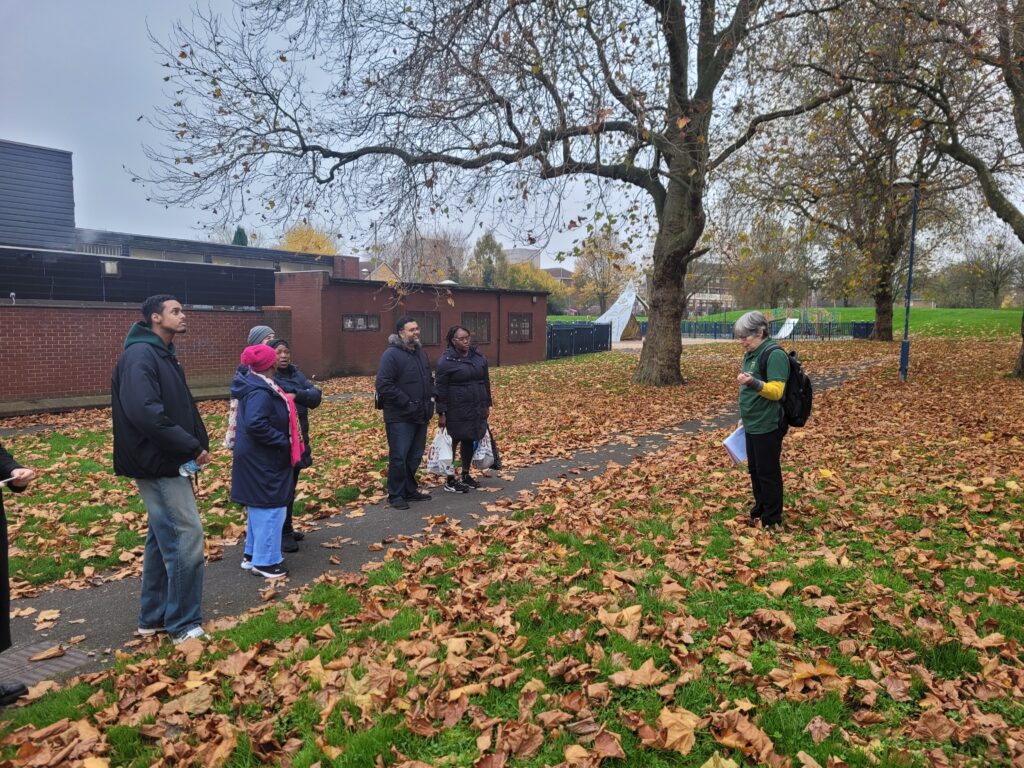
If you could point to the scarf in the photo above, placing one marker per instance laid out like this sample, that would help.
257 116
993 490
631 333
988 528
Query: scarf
294 433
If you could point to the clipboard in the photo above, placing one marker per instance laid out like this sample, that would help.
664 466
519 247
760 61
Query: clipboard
736 445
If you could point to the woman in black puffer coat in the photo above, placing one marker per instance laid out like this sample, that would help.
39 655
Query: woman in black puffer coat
306 396
463 400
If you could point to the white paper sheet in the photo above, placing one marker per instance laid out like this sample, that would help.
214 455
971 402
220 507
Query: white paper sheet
736 445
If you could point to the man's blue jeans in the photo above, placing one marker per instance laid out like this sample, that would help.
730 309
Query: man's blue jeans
406 443
172 567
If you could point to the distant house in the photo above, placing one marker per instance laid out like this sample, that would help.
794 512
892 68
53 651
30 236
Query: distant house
562 275
383 273
706 287
523 256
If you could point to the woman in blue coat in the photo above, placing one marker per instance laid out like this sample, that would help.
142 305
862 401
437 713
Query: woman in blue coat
463 400
268 444
306 396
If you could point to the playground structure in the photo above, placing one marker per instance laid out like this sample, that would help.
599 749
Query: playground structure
621 316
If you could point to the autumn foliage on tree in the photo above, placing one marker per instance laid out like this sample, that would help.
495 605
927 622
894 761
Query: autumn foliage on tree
602 269
305 238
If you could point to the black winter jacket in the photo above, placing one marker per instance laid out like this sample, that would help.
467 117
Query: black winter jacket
405 385
157 426
464 393
307 396
7 467
261 470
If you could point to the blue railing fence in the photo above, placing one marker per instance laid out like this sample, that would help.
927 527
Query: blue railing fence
700 329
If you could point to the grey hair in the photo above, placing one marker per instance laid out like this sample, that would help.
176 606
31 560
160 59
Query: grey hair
751 324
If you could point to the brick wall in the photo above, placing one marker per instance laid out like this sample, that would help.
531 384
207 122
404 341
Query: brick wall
341 352
57 351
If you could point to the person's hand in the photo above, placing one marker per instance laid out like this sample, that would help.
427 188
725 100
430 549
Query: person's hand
442 419
203 458
744 379
22 477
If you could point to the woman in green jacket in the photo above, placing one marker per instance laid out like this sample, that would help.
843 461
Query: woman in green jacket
761 414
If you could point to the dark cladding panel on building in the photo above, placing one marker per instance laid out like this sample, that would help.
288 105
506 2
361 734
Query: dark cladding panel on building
37 199
56 276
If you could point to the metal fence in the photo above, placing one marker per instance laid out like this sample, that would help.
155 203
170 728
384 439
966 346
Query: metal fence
699 329
568 339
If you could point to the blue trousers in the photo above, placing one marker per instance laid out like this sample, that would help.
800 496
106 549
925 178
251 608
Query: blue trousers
172 564
406 443
263 534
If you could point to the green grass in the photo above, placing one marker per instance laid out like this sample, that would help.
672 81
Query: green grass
925 321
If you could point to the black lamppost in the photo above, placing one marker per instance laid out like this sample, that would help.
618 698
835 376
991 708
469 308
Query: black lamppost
905 346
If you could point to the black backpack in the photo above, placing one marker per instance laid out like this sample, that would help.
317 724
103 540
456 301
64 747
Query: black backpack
799 394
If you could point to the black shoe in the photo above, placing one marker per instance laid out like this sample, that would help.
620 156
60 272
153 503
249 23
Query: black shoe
755 512
497 466
298 535
11 692
288 543
271 572
454 486
398 503
418 496
467 480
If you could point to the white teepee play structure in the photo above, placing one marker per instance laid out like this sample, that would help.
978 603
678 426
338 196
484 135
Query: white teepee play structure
620 316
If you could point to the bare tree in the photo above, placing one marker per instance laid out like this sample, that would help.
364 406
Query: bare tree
967 60
850 167
350 105
770 265
420 257
998 263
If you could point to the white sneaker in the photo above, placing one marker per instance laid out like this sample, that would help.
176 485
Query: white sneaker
196 633
246 562
149 631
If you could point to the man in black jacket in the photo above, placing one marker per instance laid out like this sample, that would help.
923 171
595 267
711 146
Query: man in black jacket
157 430
405 389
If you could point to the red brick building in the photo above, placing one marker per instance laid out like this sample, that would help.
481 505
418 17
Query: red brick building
341 325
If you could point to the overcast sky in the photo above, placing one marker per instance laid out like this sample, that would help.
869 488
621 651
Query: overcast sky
77 75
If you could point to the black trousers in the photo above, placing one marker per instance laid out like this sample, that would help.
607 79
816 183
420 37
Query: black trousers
764 459
287 526
465 456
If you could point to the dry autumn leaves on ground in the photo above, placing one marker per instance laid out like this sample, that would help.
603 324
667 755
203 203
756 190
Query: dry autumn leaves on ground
630 619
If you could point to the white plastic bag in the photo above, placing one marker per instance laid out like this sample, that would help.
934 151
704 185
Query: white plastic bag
483 456
440 459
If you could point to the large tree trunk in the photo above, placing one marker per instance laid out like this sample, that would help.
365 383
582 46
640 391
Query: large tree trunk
1018 369
885 257
659 358
883 316
681 224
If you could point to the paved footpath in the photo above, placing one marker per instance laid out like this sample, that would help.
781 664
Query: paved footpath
107 615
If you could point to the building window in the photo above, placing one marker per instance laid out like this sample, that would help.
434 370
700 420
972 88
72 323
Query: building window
520 326
360 322
479 326
430 327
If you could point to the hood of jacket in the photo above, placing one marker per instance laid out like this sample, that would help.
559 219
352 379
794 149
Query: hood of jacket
244 383
140 333
395 340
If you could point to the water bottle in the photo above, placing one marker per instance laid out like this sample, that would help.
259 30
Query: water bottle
189 468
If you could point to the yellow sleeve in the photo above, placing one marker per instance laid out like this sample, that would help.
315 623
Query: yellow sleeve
772 390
